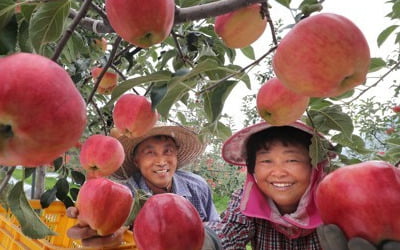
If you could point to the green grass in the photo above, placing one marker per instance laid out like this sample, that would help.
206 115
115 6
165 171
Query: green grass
221 202
49 181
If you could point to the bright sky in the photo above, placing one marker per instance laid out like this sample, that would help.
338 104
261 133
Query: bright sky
369 16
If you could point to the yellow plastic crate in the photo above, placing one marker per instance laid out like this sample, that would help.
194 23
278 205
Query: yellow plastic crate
12 238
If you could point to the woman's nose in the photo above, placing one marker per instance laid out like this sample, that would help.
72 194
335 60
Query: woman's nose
279 172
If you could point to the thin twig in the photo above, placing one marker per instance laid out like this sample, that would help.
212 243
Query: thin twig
118 71
376 83
238 72
270 23
101 117
67 34
108 64
178 46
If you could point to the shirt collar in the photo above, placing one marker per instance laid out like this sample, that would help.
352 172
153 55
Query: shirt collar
178 186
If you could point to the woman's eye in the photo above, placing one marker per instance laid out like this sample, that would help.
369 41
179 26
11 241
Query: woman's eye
293 160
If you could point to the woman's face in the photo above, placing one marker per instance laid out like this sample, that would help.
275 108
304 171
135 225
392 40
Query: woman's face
157 160
283 173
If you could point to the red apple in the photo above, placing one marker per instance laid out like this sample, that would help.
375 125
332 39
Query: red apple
389 131
396 109
278 105
168 221
242 27
101 156
42 114
101 43
103 205
133 115
142 23
363 200
324 55
107 83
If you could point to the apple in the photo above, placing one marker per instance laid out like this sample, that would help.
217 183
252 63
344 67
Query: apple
133 115
114 132
396 109
42 113
168 221
103 205
324 55
389 131
101 43
363 200
142 23
107 83
101 155
242 27
278 105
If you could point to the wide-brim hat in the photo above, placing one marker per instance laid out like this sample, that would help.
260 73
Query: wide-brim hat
234 148
186 139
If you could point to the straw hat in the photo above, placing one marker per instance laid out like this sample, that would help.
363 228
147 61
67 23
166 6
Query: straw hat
234 148
188 142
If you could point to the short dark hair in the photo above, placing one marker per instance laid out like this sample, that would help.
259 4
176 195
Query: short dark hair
287 135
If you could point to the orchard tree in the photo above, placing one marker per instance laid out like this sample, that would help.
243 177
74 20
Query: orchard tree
187 70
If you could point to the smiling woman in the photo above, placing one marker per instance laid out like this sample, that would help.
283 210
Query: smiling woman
276 200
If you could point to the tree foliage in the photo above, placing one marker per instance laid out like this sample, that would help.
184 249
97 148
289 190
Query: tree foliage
189 77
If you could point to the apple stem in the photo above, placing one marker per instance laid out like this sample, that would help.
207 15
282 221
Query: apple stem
6 131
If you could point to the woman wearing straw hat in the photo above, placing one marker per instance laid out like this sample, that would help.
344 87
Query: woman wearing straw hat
152 164
275 208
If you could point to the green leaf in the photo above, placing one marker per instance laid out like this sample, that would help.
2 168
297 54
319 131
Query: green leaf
248 52
23 37
214 99
78 177
331 117
376 64
74 193
62 187
7 8
218 129
130 83
30 222
318 149
157 93
48 197
319 103
28 172
47 23
181 117
393 141
175 91
8 37
140 198
285 3
27 11
180 85
58 163
354 142
385 34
